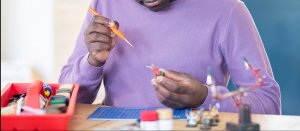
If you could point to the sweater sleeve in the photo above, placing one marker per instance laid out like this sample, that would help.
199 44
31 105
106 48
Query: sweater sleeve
78 70
241 39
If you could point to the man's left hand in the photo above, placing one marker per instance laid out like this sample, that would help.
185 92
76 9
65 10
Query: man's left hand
179 90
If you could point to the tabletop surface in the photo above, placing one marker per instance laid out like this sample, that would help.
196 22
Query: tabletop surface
267 122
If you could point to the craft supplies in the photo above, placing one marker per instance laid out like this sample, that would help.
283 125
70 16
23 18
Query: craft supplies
8 110
149 120
48 90
123 113
206 121
19 106
53 109
165 116
66 95
32 98
59 101
237 96
156 71
37 118
64 88
33 111
192 118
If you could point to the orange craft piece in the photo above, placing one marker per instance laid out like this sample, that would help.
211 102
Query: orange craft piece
32 98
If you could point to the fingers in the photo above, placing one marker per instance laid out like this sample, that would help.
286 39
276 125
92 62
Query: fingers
101 25
172 86
179 90
114 42
167 102
100 39
98 28
167 97
176 76
98 46
97 37
102 20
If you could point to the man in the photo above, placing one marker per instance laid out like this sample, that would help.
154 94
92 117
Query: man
184 38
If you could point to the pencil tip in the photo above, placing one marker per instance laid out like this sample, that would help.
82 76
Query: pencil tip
129 43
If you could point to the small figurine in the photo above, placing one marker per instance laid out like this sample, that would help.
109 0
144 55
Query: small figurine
192 118
214 112
245 123
206 121
200 114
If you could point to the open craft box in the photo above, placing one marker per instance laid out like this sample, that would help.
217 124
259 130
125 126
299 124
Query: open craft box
35 122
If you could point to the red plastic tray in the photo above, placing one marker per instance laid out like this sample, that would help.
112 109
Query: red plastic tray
35 122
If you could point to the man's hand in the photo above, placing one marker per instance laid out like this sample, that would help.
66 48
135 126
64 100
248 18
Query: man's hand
179 90
99 39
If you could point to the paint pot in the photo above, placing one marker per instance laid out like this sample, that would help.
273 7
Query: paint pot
165 116
149 120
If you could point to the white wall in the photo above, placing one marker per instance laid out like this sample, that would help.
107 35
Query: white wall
40 34
27 34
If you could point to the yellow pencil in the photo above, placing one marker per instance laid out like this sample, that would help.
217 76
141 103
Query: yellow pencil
114 28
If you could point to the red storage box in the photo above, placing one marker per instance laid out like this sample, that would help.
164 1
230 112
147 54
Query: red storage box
35 122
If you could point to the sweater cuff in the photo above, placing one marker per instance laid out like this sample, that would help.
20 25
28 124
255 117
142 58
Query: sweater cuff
89 70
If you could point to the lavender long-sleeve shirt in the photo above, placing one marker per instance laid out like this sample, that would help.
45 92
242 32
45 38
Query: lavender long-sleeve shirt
189 37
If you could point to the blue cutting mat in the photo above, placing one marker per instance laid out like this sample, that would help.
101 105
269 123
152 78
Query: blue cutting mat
120 113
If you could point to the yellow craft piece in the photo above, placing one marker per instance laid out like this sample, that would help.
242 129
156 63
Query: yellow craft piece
205 113
47 93
213 110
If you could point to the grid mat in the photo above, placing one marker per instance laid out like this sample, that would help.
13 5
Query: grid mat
120 113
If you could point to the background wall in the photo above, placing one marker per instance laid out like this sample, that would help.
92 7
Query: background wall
40 34
27 37
278 22
37 37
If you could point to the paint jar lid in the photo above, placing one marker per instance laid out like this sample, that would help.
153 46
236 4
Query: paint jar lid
149 116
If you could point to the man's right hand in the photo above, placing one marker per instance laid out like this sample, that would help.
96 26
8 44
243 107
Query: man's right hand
100 40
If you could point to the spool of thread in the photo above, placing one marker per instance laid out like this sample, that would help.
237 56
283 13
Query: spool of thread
48 90
165 119
66 95
65 88
59 101
55 97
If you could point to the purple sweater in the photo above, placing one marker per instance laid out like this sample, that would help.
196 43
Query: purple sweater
189 37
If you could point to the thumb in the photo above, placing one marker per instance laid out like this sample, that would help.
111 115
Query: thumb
117 24
113 23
